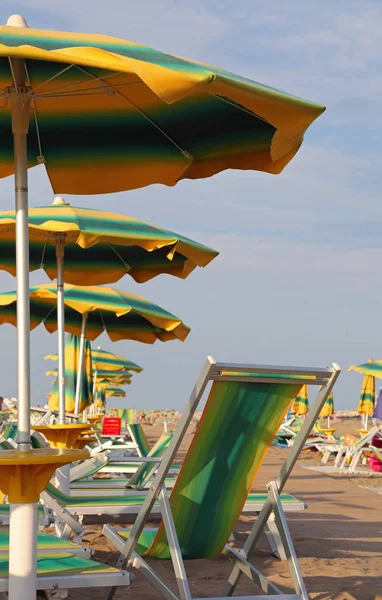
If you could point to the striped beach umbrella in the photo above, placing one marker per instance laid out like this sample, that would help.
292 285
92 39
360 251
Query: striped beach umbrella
115 377
112 391
91 310
127 415
100 247
366 405
372 367
301 403
102 359
120 315
328 408
72 349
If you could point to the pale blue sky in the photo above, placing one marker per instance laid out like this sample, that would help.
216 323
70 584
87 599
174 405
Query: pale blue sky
298 278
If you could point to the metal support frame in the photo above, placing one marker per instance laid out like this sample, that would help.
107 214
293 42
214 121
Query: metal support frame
60 249
325 378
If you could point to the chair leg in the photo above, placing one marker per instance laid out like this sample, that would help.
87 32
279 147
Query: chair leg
274 540
173 542
272 505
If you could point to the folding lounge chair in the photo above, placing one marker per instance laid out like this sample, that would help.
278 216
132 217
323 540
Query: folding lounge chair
243 412
59 571
347 457
352 454
47 543
143 469
119 447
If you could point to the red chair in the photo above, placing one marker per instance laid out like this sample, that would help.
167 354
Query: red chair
111 427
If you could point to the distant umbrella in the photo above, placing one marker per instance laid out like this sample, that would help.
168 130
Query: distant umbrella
301 403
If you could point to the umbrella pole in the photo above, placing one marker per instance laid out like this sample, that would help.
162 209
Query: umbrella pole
366 420
23 517
60 326
20 125
80 367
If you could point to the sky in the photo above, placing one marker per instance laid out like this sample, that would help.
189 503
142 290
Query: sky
297 280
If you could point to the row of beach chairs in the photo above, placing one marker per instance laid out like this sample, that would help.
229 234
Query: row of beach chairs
199 501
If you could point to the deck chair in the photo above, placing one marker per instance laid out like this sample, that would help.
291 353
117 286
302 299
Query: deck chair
347 457
59 571
117 448
245 407
100 463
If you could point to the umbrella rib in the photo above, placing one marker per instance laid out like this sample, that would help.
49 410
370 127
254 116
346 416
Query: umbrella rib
32 92
86 92
40 157
242 108
128 268
77 83
183 152
13 75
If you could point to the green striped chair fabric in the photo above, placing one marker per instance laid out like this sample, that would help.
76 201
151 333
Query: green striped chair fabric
235 432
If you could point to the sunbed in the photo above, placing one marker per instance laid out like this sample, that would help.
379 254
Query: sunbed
243 412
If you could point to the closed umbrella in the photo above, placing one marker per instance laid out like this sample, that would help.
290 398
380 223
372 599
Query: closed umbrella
72 377
301 403
366 405
328 408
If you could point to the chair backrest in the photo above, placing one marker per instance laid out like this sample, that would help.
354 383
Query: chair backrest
365 439
156 451
139 438
111 426
236 429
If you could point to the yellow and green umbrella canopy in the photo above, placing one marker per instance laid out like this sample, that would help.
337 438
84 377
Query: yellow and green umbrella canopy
366 403
112 115
372 367
328 408
115 377
100 246
301 403
102 359
121 315
72 349
111 390
371 370
127 415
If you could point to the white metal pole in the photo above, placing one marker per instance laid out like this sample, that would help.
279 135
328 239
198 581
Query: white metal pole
23 517
20 126
80 366
60 326
23 551
328 421
366 420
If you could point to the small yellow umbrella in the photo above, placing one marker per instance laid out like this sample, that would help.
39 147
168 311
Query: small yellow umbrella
328 408
301 403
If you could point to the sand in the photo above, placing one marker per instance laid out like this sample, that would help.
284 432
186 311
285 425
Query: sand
338 539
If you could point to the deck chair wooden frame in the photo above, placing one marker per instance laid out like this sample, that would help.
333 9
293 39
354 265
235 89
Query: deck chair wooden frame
212 371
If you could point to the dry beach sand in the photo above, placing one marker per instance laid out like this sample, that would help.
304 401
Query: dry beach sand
338 539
